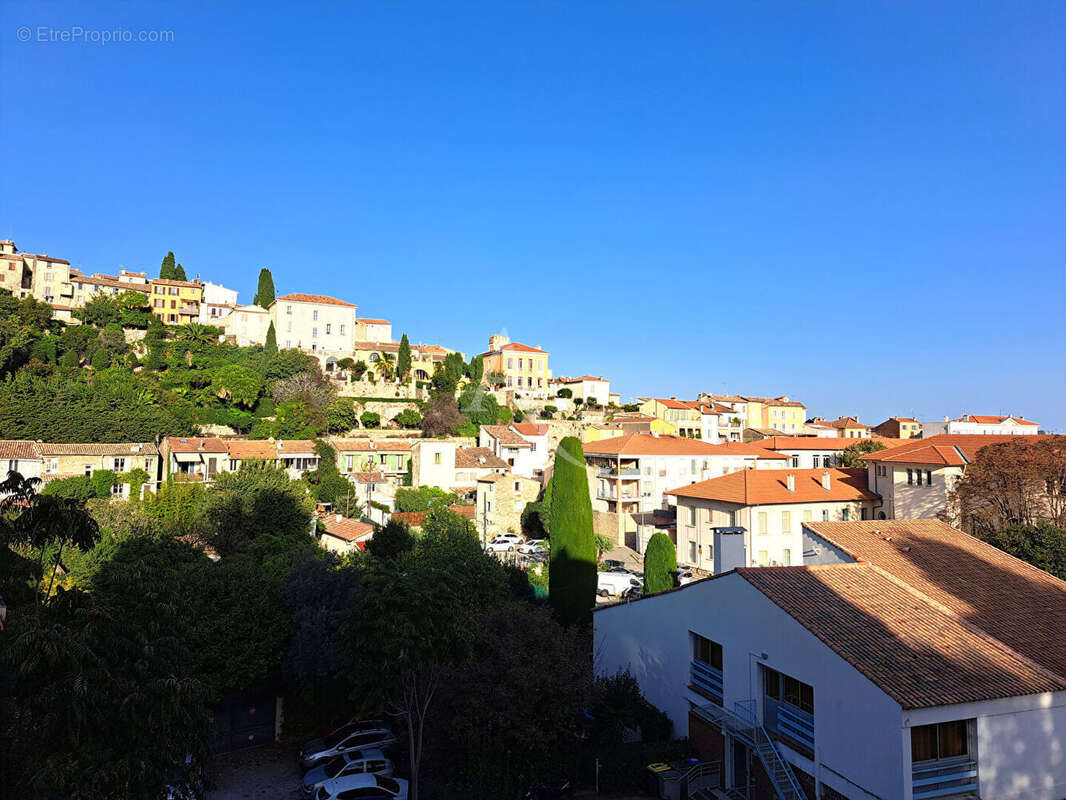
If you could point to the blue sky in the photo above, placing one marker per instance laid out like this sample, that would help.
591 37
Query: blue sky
861 205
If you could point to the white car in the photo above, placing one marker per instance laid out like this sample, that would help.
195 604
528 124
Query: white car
504 543
356 762
534 547
685 576
350 787
614 583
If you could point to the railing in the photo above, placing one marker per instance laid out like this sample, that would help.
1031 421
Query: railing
790 721
778 770
944 777
706 774
707 678
623 471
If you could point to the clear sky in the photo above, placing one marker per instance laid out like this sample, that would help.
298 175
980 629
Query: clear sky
859 204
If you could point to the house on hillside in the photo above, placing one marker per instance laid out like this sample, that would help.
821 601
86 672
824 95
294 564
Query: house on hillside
523 369
897 671
523 446
991 425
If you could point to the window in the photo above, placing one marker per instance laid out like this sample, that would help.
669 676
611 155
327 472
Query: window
706 652
314 333
314 315
807 516
342 330
825 515
928 477
118 464
691 515
941 740
87 469
288 309
328 327
510 363
864 514
787 689
762 522
13 465
918 476
910 476
795 462
786 521
764 558
436 458
786 558
52 465
845 514
693 555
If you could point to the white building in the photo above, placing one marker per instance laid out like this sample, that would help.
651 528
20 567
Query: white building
900 672
314 323
523 446
22 457
586 388
373 330
988 425
812 452
771 506
635 471
217 304
247 325
444 464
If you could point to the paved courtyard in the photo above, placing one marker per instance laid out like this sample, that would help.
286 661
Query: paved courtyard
259 773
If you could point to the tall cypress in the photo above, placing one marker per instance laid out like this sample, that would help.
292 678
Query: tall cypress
572 575
271 345
660 564
166 269
403 358
264 293
179 273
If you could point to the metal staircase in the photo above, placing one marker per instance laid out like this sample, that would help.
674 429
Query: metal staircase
744 724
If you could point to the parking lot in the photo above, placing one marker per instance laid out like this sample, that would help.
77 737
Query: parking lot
260 773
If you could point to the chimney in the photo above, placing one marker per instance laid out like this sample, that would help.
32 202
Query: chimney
729 550
339 517
203 445
825 481
790 481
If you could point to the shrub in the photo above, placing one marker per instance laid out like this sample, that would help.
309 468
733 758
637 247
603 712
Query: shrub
660 564
370 419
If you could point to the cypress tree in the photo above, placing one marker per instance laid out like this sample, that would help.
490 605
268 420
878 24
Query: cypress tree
271 345
660 564
166 269
403 358
179 273
264 293
572 575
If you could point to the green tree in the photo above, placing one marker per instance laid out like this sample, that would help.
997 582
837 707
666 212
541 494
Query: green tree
1042 544
851 456
179 273
370 419
660 564
391 541
565 392
167 270
271 346
99 311
475 370
240 385
408 418
264 293
573 550
403 358
101 359
341 415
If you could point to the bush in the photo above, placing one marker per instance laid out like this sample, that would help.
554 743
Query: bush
660 564
370 419
565 393
408 418
392 540
103 480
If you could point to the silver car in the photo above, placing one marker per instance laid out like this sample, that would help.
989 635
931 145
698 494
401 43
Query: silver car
353 736
356 762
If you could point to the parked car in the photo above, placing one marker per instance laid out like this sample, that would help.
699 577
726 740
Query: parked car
356 762
364 787
353 736
614 583
685 576
626 570
504 543
533 547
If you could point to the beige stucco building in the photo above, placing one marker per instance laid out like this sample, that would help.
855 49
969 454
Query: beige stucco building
314 323
248 325
501 499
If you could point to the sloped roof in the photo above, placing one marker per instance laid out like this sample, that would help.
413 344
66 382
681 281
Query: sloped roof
646 444
418 517
98 449
918 654
241 450
370 445
320 299
1013 601
192 444
505 435
946 449
990 419
770 486
290 446
530 428
822 442
478 457
349 530
18 449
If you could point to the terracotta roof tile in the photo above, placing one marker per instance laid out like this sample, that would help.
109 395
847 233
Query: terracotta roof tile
97 449
646 444
418 517
350 530
18 449
766 486
241 450
505 435
170 282
373 321
370 445
290 446
531 428
177 444
478 458
989 419
916 653
822 442
946 449
980 583
321 299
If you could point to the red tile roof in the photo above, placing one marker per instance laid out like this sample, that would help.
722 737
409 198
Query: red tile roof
177 444
977 582
822 442
522 348
18 449
97 449
418 517
946 449
349 530
478 458
987 419
290 446
241 450
530 428
170 282
752 487
505 435
918 654
370 445
374 321
321 299
646 444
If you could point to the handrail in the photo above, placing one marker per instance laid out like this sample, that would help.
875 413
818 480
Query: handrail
705 769
768 752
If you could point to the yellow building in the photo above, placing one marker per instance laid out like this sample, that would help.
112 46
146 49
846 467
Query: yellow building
176 302
524 369
682 416
625 424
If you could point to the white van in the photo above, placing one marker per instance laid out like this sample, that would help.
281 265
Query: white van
614 583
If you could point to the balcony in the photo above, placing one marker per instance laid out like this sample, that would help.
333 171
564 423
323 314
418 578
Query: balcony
944 777
706 678
633 472
789 722
611 494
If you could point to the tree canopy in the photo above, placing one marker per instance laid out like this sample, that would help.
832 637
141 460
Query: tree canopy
264 293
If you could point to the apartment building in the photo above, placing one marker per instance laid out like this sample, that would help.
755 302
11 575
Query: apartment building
373 330
524 369
390 457
501 498
771 505
522 446
915 479
317 324
297 456
176 302
991 425
247 325
86 287
899 671
241 452
899 428
634 472
684 417
218 303
779 413
814 452
446 465
69 460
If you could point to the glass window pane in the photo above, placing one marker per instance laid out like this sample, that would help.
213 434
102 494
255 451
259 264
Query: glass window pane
923 743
